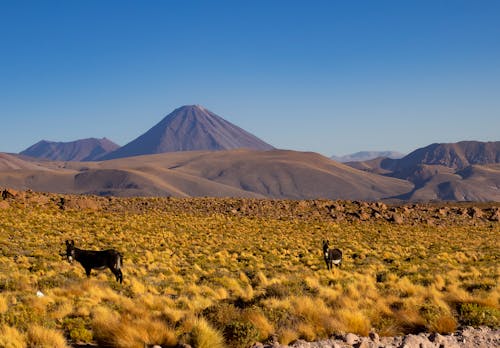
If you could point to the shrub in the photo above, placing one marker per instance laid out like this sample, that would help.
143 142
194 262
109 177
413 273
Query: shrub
240 334
476 315
78 329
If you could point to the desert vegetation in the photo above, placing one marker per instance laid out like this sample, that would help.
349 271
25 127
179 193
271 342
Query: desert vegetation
231 272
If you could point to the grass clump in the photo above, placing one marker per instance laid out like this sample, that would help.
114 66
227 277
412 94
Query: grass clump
39 336
10 337
203 335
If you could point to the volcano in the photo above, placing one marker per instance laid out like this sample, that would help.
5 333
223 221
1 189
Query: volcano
190 128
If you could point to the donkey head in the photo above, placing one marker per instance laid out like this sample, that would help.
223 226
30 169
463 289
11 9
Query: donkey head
70 250
326 245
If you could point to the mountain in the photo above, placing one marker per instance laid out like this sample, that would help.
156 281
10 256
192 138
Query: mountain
231 173
366 156
467 170
90 149
190 128
453 155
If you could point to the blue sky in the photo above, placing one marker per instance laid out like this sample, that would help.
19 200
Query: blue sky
334 77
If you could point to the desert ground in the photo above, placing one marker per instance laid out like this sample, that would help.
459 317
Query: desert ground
221 272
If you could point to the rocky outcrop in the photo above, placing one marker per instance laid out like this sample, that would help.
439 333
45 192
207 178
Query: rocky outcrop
467 337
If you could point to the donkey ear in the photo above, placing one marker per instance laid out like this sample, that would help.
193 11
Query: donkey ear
67 242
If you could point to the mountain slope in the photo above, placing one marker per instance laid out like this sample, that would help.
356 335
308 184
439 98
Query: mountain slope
234 173
80 150
453 155
190 128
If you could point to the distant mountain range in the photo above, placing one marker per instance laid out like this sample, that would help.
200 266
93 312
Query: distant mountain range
91 149
463 171
366 156
194 152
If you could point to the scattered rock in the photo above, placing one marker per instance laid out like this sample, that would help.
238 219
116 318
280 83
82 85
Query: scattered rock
467 337
475 212
374 336
396 218
9 193
496 215
351 338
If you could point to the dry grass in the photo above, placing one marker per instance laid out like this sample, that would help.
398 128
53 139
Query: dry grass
10 337
218 279
39 336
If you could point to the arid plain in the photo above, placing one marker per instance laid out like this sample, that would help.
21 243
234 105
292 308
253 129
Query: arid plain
210 272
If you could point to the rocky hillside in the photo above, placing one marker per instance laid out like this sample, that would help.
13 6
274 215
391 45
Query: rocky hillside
436 214
464 171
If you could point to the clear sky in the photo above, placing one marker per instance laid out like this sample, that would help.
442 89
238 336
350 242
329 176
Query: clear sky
334 77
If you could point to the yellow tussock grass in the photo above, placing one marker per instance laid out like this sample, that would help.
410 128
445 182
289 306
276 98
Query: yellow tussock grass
221 293
287 336
110 328
61 309
205 336
444 324
39 336
136 286
172 314
354 321
262 279
11 338
4 304
306 331
260 322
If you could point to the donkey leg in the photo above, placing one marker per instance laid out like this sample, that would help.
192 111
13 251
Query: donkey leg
327 263
118 275
87 272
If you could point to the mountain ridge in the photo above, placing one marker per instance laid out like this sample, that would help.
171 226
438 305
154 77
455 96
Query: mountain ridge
89 149
466 170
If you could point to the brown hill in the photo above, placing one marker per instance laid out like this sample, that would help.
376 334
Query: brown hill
190 128
467 170
14 162
235 173
89 149
474 183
